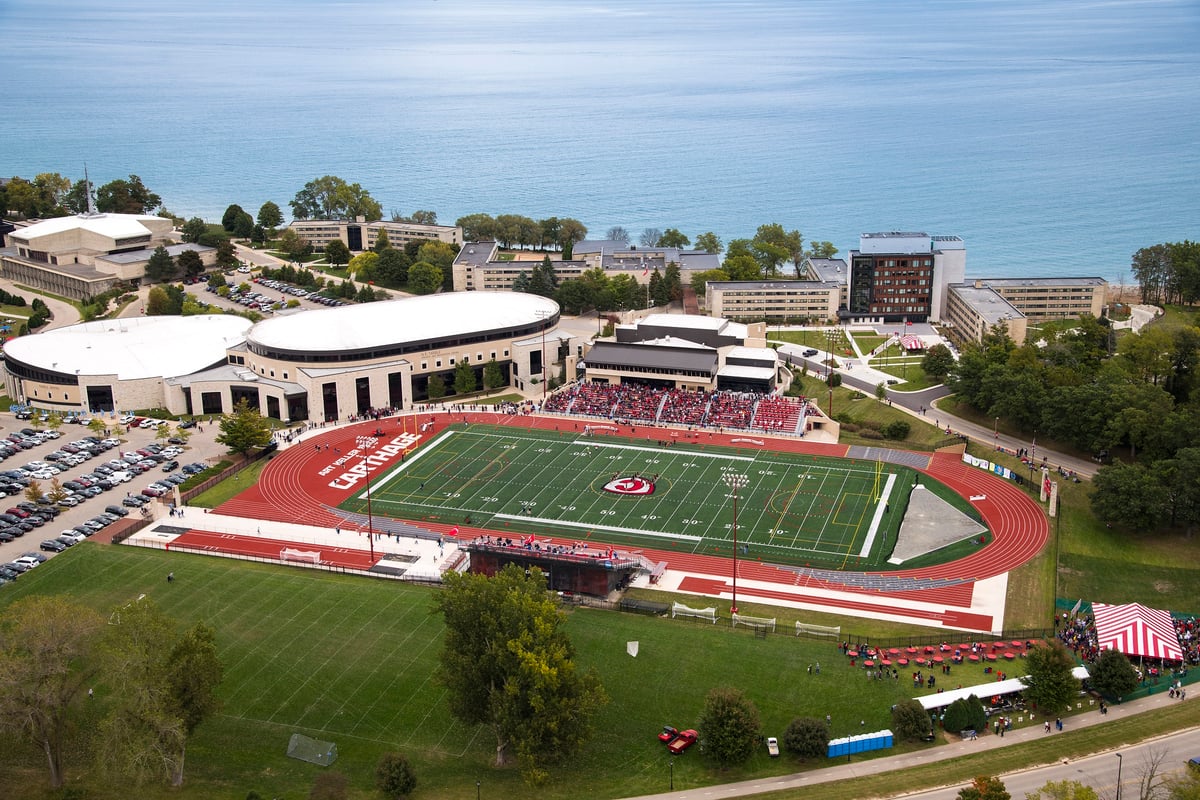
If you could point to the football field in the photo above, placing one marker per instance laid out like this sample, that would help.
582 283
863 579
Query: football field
791 508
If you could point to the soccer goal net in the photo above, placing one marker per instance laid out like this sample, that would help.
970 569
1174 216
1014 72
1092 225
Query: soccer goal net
680 610
758 623
314 751
304 556
805 629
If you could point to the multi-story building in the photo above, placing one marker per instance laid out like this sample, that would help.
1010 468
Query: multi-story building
1042 299
773 301
359 235
973 309
902 276
87 254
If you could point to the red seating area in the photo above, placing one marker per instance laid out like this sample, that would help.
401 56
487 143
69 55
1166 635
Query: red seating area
637 402
778 414
560 402
731 409
684 408
595 400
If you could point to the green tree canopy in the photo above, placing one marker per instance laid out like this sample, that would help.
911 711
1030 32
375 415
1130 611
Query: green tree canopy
477 227
1112 675
126 197
330 197
965 714
910 721
507 663
709 242
230 217
464 378
729 725
269 215
807 737
189 263
985 787
493 375
394 776
1063 790
938 362
424 278
1050 683
436 388
337 253
46 644
160 267
193 229
244 429
673 237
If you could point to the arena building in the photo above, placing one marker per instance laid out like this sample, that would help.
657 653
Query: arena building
320 364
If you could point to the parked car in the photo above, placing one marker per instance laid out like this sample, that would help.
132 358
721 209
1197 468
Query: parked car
53 546
170 466
809 353
682 742
118 510
134 501
772 747
669 732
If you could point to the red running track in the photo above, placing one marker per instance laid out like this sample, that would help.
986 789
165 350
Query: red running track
292 489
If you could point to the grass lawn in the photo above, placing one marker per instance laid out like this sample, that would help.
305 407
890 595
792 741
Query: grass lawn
794 509
351 660
809 338
868 341
864 411
228 489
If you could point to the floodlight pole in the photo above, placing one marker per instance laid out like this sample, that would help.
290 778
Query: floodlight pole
735 480
672 774
1120 763
366 443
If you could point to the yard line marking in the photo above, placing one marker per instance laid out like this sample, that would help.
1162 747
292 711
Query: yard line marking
640 531
723 456
879 507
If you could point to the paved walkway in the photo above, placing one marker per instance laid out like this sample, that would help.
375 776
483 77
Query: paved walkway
856 769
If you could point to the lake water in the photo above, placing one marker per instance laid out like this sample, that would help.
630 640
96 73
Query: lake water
1054 137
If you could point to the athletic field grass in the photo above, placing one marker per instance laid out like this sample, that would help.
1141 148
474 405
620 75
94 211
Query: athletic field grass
792 509
351 660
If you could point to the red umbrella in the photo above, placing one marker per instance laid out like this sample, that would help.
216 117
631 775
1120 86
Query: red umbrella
868 663
937 659
886 662
973 657
903 662
1010 656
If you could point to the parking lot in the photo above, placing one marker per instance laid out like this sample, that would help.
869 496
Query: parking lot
200 447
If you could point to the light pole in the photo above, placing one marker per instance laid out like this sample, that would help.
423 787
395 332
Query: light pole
672 774
1120 763
366 443
735 481
996 432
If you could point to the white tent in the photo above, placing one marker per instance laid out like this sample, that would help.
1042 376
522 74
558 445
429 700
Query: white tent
982 691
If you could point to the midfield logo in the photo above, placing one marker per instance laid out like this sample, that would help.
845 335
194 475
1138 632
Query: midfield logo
637 485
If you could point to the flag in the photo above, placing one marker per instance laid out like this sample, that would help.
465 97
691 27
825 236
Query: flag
454 531
645 272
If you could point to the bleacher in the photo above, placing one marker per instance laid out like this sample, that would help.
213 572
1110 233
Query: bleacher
731 409
783 414
595 400
637 402
684 408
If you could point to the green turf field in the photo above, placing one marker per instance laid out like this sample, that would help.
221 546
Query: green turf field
793 509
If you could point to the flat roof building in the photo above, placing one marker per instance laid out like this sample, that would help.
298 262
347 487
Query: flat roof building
774 301
903 275
1042 299
973 309
359 235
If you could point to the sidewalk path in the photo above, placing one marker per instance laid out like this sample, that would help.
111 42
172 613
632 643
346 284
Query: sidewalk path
855 769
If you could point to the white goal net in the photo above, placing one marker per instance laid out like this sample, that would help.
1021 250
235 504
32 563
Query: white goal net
680 610
758 623
805 629
304 556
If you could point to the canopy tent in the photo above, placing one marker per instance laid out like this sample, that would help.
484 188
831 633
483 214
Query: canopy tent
910 342
983 691
1136 631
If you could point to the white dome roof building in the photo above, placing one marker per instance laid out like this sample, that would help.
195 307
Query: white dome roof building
320 364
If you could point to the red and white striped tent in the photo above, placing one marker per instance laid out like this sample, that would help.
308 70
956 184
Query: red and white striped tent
911 342
1136 631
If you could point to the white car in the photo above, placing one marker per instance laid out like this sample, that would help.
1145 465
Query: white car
149 423
111 442
172 451
121 476
71 533
45 474
29 561
52 434
127 418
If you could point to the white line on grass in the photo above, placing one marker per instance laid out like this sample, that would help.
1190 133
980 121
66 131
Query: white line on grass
591 526
879 507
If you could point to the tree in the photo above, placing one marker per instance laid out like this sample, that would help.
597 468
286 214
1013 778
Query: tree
362 266
507 663
243 226
709 242
126 197
230 217
477 227
244 429
158 302
423 217
1112 675
910 721
729 726
330 197
46 643
617 234
436 388
337 253
807 737
985 787
822 250
1063 790
394 776
659 295
97 426
1129 495
226 254
291 244
700 279
464 378
57 490
33 491
570 231
193 229
1183 787
424 278
938 362
1050 683
193 674
269 216
965 714
881 392
190 263
382 241
673 237
493 376
650 237
160 267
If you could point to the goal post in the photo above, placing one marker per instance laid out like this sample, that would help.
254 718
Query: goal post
303 556
825 631
758 623
680 610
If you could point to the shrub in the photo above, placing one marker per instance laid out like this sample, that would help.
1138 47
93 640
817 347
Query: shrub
807 737
909 720
870 434
896 429
394 775
965 714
